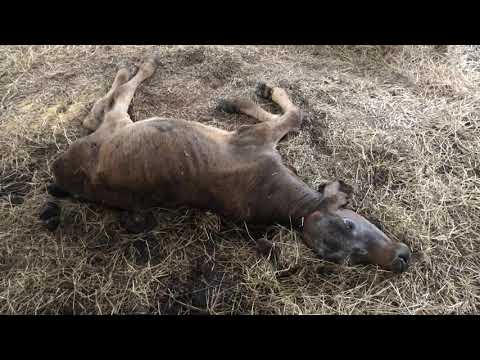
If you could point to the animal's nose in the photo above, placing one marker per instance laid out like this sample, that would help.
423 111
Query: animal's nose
401 258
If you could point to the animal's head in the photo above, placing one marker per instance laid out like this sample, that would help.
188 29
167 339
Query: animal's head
340 235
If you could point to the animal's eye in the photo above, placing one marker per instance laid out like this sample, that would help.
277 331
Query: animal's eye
349 224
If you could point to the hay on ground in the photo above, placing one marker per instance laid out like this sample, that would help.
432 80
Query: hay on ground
403 129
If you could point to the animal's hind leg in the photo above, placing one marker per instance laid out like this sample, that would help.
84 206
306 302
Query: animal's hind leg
247 107
277 95
289 121
274 127
117 117
95 118
123 95
119 97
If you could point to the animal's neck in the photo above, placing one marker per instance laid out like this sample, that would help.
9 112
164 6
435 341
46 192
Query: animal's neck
304 200
291 199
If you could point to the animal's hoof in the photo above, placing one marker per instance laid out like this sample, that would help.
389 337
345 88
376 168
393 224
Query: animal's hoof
136 223
263 91
49 210
57 191
123 64
52 223
268 249
50 215
155 59
150 65
127 66
227 106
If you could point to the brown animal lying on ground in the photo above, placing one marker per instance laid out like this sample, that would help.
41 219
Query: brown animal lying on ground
237 174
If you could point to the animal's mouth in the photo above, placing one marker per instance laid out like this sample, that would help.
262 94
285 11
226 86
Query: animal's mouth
400 264
401 258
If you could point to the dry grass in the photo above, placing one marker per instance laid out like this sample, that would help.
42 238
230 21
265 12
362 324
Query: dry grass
404 129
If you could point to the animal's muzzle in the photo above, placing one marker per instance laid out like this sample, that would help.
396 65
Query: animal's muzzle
401 258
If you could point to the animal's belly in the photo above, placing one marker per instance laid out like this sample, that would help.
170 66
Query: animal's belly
166 162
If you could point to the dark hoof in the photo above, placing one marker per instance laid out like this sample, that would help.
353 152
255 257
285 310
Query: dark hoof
154 58
57 191
268 249
263 91
227 106
136 223
52 223
50 215
49 210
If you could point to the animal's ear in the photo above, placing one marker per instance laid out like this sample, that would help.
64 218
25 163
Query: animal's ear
336 194
331 188
336 201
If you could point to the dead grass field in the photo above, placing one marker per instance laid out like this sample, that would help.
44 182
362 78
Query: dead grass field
404 130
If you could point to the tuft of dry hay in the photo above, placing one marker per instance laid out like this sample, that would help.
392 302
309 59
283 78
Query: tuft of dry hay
403 129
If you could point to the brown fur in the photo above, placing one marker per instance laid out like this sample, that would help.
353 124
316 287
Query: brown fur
238 174
169 163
